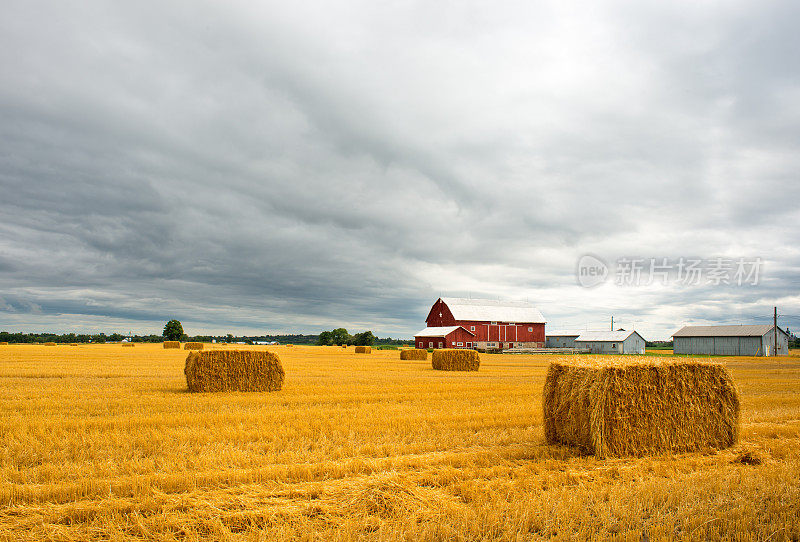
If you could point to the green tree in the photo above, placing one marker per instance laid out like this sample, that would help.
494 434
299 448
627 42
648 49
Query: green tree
364 339
173 331
340 336
325 339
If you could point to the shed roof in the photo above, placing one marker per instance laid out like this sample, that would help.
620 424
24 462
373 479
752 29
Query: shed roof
605 336
490 310
757 330
563 333
439 331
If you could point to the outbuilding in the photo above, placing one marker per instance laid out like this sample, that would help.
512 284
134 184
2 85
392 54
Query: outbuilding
561 339
741 340
444 337
611 342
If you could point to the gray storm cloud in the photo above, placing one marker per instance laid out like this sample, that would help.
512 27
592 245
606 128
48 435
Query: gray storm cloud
294 166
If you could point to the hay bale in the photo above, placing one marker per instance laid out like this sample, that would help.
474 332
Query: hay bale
289 345
73 344
4 343
193 346
233 370
50 344
128 345
172 344
414 353
363 349
344 346
449 359
635 407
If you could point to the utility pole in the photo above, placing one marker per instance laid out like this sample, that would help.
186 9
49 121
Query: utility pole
775 330
612 323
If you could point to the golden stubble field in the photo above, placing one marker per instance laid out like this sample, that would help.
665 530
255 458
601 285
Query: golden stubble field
104 442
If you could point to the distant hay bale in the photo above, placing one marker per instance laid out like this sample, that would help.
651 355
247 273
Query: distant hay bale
193 346
172 344
4 343
73 344
363 349
414 353
50 344
455 360
128 345
635 407
289 345
344 346
233 370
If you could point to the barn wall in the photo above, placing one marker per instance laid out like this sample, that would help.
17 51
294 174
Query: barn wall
485 331
783 342
600 347
633 345
730 346
561 342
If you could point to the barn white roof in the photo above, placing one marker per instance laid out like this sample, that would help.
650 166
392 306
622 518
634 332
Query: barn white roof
489 310
438 331
724 331
604 336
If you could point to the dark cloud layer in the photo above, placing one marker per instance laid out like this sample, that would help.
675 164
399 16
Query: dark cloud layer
294 166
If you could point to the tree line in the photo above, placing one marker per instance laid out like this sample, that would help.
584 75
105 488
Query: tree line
173 331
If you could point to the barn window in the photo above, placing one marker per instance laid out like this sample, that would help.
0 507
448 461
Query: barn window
421 344
440 344
453 343
430 344
472 328
511 324
460 344
530 329
494 323
469 345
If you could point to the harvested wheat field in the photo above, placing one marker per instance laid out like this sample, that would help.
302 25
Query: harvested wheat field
101 443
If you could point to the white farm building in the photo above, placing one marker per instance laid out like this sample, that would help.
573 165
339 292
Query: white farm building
743 340
611 342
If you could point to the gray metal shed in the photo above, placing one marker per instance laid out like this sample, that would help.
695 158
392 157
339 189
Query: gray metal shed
611 342
561 339
742 340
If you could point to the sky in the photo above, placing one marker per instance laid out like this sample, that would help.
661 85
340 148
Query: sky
273 167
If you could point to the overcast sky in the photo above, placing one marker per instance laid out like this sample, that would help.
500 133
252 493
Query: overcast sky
296 166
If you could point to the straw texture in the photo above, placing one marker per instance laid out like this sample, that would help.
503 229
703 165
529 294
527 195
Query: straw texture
632 407
455 360
233 370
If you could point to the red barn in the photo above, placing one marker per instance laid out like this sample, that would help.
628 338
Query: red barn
444 337
488 323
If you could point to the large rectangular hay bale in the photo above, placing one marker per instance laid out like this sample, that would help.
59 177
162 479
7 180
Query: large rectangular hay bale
414 353
128 345
4 343
172 344
193 346
49 344
455 360
635 407
363 349
233 370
